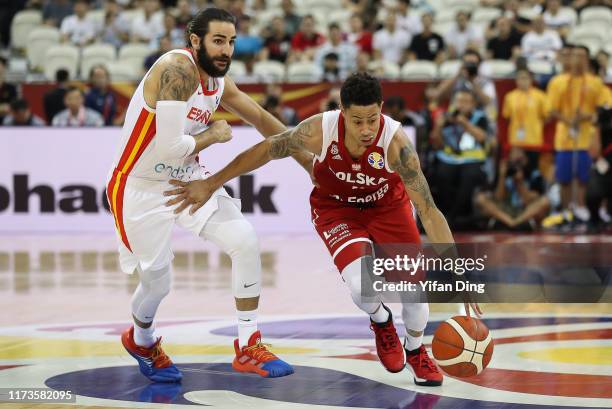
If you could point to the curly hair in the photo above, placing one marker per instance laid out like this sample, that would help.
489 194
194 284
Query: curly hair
360 89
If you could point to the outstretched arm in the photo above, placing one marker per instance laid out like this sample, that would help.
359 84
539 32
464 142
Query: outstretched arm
250 111
307 136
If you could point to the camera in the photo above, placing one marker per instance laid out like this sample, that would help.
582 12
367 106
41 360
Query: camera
513 168
471 68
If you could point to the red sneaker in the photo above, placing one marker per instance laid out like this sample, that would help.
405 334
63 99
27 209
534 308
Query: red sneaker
255 358
388 345
424 370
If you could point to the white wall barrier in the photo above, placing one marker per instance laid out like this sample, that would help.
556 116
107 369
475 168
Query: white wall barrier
52 180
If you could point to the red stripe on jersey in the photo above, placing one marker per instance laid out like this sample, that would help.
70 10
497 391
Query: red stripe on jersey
133 138
147 140
119 210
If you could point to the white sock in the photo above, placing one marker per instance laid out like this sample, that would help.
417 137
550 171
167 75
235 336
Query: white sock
411 343
247 325
144 337
381 315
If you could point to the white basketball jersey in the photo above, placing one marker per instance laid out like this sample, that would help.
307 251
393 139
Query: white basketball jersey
136 155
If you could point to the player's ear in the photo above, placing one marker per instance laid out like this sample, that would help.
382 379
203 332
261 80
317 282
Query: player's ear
195 41
342 109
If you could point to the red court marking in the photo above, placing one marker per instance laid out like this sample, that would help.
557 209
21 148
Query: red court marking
604 333
9 366
545 383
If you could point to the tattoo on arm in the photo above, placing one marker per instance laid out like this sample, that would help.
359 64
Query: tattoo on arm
178 81
291 141
409 169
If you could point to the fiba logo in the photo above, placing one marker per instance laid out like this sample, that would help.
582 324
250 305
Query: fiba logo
376 160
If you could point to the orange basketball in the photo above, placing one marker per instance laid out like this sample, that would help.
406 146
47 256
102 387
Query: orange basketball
462 346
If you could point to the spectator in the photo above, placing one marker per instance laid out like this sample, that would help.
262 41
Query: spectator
358 36
330 68
574 99
99 97
177 36
246 44
540 43
427 45
184 13
8 92
277 43
564 57
390 43
345 52
462 36
76 114
292 20
54 99
306 40
287 115
116 30
506 45
599 188
461 139
605 68
332 101
406 20
165 45
76 28
55 11
273 106
21 116
363 62
555 20
148 25
519 198
469 78
396 109
526 107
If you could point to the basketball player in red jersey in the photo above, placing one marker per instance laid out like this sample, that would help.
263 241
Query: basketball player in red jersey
367 173
167 125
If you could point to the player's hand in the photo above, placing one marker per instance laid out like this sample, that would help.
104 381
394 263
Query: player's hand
468 304
221 131
194 194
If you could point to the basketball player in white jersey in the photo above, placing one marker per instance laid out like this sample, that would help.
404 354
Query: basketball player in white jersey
166 126
367 173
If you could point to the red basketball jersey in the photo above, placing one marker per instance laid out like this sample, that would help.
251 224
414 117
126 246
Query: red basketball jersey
365 181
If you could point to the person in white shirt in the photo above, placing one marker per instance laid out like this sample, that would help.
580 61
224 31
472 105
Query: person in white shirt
462 36
347 52
76 28
149 25
406 20
555 20
390 43
76 114
540 43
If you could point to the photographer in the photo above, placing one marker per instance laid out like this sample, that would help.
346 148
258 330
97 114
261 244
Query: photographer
599 187
518 200
461 140
469 78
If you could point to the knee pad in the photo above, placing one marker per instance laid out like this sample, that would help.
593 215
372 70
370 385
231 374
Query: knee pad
352 275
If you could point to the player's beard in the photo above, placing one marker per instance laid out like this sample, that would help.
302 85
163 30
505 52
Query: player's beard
208 63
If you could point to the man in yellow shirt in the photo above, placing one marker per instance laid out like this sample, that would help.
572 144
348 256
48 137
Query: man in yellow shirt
526 107
573 99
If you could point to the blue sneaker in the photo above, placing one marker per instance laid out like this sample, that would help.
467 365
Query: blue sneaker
153 361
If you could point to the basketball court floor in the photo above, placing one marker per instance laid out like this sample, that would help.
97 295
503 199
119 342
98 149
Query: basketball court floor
64 303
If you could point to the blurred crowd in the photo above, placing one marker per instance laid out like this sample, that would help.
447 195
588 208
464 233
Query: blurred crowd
477 181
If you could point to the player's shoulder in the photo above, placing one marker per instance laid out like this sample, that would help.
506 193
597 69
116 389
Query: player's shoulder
175 62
